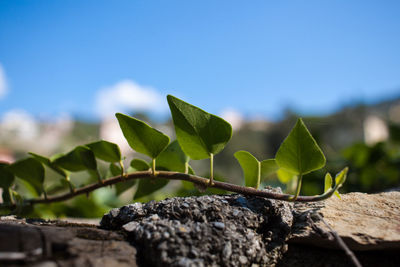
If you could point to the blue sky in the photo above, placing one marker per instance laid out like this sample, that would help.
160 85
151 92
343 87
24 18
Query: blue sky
257 57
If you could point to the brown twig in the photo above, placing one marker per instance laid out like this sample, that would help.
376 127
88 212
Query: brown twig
341 243
176 176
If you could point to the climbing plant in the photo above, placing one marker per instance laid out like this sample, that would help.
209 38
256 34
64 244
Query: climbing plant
199 135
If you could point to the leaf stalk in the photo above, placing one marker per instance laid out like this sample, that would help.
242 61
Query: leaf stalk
211 182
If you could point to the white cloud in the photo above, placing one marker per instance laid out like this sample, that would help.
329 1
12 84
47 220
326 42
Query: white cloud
127 96
3 82
234 117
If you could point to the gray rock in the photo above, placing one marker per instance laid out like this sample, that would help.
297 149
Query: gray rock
219 230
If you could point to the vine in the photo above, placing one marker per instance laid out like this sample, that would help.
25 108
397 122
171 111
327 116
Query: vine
200 135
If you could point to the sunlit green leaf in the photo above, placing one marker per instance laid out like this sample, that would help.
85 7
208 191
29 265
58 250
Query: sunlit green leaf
341 176
299 152
49 163
30 170
172 158
79 159
199 133
284 176
328 182
141 137
340 179
106 151
6 176
268 167
251 168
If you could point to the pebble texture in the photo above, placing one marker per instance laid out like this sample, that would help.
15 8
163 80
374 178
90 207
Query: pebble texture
225 230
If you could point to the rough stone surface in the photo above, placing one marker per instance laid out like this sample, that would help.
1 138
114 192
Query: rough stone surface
364 221
227 230
59 243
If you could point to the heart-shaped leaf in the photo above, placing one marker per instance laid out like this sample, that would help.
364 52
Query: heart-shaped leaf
299 152
199 133
79 159
254 171
268 167
30 170
106 151
172 158
284 176
46 161
6 176
146 186
141 137
251 168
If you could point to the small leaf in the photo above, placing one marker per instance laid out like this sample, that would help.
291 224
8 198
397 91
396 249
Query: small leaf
139 165
115 170
79 159
251 168
328 182
49 163
141 137
299 152
199 133
6 177
146 185
341 176
172 158
30 170
284 176
268 167
106 151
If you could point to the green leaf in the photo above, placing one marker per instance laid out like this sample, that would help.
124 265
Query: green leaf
115 170
30 170
328 182
268 167
284 176
341 177
6 177
79 159
49 163
172 158
106 151
141 137
299 152
251 168
199 133
146 186
139 165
